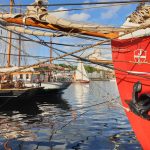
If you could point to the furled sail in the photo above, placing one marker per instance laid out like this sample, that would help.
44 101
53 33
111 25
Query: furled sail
13 27
37 15
139 19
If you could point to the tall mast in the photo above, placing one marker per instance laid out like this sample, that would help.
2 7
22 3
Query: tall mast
19 50
51 51
50 60
10 37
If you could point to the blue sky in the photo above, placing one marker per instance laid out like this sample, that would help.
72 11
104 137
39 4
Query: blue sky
109 15
113 16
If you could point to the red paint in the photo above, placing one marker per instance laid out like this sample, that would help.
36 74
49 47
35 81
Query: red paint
133 55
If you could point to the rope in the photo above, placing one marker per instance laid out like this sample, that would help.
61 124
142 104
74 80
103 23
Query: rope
86 3
15 47
72 54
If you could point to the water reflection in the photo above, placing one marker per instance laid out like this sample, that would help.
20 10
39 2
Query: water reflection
30 107
81 92
21 120
105 89
48 122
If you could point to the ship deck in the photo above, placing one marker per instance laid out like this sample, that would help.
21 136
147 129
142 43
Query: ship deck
16 92
17 89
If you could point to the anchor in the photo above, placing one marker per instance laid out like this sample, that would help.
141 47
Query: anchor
139 105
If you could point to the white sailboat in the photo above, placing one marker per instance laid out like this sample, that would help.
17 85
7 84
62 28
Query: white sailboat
80 74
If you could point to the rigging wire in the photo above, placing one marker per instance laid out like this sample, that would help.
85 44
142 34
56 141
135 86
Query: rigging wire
39 57
52 49
86 8
71 65
75 9
83 59
42 43
71 54
84 3
56 43
58 121
71 120
15 48
66 125
83 74
75 35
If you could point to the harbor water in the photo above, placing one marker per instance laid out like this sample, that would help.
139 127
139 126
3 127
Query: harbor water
84 117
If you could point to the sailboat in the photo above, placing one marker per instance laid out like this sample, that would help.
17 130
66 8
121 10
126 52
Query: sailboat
80 74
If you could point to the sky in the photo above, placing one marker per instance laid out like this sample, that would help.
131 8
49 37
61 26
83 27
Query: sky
115 15
112 16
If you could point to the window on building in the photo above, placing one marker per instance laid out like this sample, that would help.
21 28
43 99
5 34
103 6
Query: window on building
21 76
27 76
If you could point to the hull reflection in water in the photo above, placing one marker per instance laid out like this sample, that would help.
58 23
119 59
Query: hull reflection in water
49 123
21 120
81 92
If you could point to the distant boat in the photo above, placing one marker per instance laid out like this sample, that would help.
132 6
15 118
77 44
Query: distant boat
80 74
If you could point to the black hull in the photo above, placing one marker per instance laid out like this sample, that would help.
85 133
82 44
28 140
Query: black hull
13 95
54 91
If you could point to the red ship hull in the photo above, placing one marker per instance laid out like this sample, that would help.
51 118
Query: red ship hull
131 59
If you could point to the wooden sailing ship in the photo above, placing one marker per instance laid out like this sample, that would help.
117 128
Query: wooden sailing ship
12 85
29 78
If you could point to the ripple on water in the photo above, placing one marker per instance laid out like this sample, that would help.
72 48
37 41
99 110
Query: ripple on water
50 123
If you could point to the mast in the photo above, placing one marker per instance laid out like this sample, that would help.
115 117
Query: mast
10 37
51 51
50 60
19 50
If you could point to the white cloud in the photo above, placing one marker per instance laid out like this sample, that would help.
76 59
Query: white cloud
61 14
80 17
110 12
76 16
